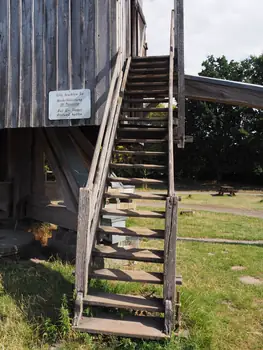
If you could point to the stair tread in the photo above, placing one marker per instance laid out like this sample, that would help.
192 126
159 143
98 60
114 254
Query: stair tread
138 166
134 232
143 119
137 254
142 129
147 196
146 100
133 326
141 153
134 302
149 93
130 276
123 140
134 109
150 58
136 180
133 213
164 76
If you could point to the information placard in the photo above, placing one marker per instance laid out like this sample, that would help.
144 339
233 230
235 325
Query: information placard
69 104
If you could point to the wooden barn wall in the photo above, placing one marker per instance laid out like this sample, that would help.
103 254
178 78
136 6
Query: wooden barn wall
48 45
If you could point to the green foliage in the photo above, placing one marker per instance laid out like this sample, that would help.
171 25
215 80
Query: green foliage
228 141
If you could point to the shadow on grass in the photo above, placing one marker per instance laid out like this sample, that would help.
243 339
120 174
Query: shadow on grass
37 289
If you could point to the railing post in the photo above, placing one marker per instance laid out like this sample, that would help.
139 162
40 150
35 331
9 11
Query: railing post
169 289
83 240
179 46
171 119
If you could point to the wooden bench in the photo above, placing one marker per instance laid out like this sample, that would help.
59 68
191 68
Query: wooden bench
227 189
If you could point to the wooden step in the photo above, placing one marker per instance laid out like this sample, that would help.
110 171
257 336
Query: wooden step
150 93
122 301
138 181
141 129
140 84
146 100
143 120
144 196
132 232
148 110
131 276
138 166
141 153
148 70
119 253
151 58
153 64
153 141
149 77
133 213
133 326
127 276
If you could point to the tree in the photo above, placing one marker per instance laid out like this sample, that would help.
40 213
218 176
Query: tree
228 141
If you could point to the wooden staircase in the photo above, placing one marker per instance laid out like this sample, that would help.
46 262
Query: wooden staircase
145 83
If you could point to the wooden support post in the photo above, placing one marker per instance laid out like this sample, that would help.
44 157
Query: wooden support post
69 197
83 241
20 172
38 173
179 45
82 258
169 292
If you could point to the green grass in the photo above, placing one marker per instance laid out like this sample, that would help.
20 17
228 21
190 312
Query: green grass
209 225
241 201
218 311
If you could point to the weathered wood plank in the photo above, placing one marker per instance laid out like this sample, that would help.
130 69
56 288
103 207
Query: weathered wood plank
68 197
83 239
130 302
170 262
170 117
127 276
224 91
134 180
179 45
38 175
136 327
134 213
134 232
54 214
146 255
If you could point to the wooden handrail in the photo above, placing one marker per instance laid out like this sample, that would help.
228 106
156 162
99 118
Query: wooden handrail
171 102
97 150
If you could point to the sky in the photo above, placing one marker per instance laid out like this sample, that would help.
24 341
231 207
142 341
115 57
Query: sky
233 28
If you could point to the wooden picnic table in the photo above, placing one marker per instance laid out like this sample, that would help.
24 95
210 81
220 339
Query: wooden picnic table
227 189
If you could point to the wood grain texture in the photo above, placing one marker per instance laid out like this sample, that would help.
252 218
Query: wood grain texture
146 255
132 302
169 290
179 42
134 232
83 239
54 214
49 45
127 276
136 327
134 213
224 91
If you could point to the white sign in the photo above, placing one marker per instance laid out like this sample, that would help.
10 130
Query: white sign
69 104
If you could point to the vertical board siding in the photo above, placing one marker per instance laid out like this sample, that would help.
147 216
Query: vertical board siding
49 45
